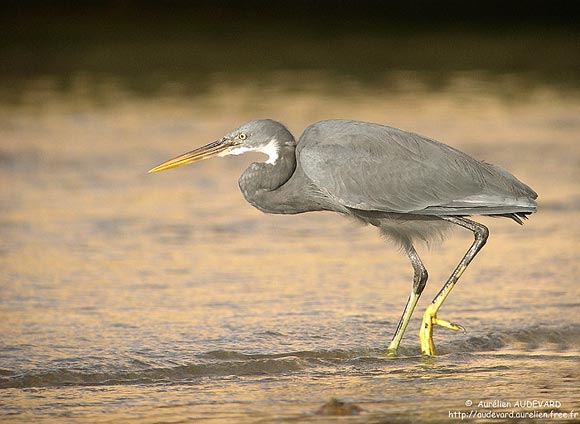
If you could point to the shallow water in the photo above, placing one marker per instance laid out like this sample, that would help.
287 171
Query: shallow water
166 298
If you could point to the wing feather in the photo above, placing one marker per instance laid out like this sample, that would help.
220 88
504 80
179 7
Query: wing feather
374 167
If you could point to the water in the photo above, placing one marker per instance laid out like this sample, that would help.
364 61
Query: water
129 297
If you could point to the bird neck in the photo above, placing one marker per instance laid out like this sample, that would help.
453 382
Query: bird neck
261 181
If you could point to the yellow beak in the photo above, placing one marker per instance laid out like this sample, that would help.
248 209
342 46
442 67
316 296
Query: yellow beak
205 152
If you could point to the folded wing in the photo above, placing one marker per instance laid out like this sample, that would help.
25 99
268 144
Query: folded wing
374 167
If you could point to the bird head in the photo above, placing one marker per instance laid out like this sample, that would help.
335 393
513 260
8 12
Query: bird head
262 135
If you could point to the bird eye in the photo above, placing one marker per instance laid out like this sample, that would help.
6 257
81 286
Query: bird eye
242 136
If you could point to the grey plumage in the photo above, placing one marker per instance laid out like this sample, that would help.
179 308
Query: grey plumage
409 186
423 176
380 174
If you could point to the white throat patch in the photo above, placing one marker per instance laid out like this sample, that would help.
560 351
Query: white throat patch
271 149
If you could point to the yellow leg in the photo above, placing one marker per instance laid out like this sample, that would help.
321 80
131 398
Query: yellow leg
419 281
409 308
430 316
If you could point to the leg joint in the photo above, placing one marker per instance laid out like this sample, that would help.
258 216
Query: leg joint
420 275
479 230
481 233
420 280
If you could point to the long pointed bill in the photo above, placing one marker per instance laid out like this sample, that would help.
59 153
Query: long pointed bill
205 152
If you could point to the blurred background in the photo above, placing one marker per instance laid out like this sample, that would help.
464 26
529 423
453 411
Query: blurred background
123 293
150 48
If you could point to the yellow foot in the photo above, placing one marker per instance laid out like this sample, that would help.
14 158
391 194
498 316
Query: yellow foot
391 352
426 332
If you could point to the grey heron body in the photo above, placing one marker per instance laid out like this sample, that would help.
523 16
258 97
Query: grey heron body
410 187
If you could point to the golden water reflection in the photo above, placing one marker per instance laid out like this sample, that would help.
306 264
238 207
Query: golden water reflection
108 269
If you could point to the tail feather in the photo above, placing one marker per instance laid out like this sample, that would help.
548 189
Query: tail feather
516 216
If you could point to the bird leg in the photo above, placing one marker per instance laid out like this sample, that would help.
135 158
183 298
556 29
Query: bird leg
430 316
419 282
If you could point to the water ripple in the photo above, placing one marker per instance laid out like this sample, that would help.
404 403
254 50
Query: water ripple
222 363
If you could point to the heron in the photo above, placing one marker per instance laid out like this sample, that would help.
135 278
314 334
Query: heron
411 187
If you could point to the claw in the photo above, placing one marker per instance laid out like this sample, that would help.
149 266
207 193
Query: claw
447 324
426 332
